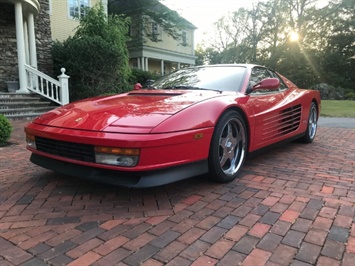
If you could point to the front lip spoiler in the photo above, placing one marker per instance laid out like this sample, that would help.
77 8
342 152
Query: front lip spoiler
119 178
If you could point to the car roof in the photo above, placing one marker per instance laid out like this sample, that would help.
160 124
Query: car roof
231 65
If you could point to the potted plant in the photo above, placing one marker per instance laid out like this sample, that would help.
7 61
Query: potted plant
12 86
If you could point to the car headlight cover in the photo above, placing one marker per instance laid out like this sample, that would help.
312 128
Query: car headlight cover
30 139
117 156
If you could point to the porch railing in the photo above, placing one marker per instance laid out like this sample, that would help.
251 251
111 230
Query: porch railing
46 86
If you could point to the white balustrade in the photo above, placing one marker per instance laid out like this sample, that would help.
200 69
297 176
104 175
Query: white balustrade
46 86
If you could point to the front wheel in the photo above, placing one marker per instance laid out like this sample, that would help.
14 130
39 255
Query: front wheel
312 124
228 147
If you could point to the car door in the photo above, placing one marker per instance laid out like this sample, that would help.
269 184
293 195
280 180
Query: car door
276 114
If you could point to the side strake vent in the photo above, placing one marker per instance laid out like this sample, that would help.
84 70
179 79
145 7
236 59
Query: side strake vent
286 122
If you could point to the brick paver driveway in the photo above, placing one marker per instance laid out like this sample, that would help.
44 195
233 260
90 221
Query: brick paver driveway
293 205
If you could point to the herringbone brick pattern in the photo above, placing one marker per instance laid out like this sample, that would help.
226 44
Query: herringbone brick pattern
293 205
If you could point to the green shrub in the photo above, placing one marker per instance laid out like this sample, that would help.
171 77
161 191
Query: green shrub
5 130
96 57
328 92
350 96
141 76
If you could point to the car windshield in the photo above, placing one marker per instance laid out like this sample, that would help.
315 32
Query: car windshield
219 78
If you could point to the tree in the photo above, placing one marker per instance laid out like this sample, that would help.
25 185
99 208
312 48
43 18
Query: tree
324 51
338 55
96 57
145 12
200 54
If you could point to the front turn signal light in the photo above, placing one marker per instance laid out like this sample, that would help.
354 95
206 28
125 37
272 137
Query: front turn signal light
117 156
31 141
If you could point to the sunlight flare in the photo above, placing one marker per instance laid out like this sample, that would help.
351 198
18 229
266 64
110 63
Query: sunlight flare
294 36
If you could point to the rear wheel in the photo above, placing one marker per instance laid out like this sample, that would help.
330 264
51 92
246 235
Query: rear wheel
228 147
312 124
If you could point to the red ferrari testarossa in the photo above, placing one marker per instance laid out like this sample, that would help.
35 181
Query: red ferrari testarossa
194 121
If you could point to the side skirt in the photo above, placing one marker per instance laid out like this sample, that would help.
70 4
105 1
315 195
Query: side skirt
273 146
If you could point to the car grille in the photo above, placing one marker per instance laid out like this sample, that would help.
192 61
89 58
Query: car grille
71 150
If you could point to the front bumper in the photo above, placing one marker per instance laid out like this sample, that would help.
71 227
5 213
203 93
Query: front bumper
157 151
120 178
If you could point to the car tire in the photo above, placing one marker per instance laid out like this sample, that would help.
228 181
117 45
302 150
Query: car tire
228 147
311 124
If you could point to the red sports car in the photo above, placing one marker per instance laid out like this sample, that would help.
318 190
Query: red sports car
194 121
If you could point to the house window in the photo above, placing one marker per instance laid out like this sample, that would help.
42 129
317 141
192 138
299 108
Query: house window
78 8
130 31
154 28
184 38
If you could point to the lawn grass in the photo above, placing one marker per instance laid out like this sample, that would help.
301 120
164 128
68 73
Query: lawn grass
333 108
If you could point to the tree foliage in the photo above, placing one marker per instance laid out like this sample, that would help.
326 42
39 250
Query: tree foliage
141 76
96 57
144 12
324 52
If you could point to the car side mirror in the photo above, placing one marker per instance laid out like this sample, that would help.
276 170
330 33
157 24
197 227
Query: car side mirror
267 84
137 86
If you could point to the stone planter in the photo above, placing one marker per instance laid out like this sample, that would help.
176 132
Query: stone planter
12 86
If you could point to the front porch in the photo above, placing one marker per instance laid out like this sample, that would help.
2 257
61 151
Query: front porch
25 41
159 61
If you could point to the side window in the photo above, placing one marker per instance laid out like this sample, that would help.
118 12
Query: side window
283 86
257 75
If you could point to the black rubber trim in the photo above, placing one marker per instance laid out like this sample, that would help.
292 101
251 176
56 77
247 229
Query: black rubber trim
119 178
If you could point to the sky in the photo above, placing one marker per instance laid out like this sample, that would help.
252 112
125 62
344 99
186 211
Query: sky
203 13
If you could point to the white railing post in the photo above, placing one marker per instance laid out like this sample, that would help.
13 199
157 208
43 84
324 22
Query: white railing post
64 84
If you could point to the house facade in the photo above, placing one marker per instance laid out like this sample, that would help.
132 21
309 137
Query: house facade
28 27
64 13
25 38
161 54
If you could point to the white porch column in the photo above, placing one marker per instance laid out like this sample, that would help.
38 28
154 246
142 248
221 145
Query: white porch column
179 66
146 64
32 40
162 67
21 57
25 33
142 63
139 63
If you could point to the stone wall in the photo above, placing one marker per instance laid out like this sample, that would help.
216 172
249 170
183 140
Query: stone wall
44 40
8 48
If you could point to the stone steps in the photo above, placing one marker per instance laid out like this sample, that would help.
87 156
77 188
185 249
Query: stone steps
24 106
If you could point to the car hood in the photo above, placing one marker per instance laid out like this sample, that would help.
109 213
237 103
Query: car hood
141 110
